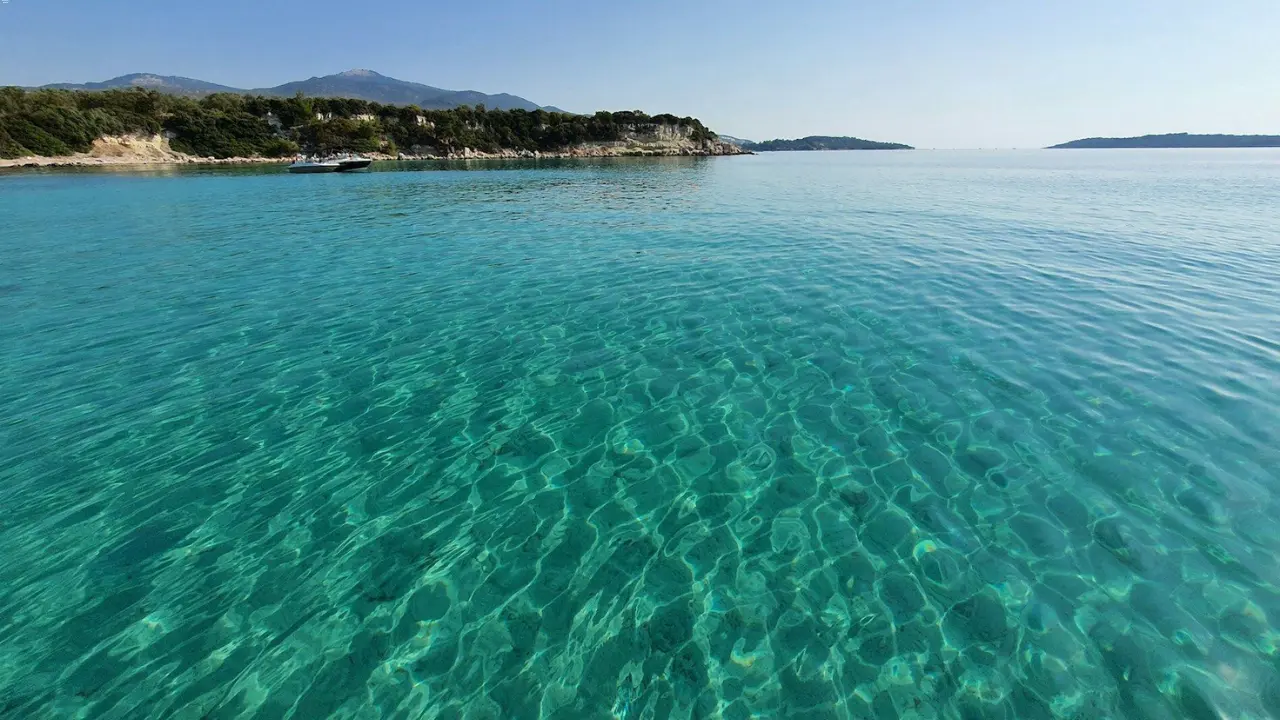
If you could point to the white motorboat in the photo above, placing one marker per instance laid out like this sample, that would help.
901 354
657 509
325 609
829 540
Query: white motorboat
347 163
310 165
341 163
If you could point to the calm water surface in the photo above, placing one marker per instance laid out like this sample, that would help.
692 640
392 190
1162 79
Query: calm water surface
914 435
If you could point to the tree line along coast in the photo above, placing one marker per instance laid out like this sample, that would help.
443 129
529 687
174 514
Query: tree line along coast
53 123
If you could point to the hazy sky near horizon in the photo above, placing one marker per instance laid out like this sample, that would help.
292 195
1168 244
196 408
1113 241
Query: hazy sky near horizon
932 73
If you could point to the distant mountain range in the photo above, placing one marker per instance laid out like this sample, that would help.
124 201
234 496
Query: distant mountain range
1173 140
164 83
362 84
823 142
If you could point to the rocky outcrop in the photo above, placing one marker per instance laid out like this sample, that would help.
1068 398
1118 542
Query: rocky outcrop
647 141
656 140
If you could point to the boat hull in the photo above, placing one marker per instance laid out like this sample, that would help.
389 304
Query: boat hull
311 169
350 165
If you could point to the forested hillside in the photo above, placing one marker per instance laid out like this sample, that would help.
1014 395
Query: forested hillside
222 125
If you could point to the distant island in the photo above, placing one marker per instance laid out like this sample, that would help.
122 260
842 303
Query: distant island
358 84
823 142
1173 140
146 126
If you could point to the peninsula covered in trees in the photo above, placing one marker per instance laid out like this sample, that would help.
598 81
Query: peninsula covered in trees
823 142
225 125
1173 140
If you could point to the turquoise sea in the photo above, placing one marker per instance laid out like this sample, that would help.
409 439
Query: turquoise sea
860 435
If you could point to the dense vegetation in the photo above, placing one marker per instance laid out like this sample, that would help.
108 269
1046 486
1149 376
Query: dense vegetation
61 122
823 142
1174 140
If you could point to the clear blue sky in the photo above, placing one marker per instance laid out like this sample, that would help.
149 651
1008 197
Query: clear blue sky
933 73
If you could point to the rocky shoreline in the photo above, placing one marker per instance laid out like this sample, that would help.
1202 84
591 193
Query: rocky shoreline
152 151
594 150
86 160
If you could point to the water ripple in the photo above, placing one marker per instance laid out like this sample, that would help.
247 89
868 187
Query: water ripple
821 435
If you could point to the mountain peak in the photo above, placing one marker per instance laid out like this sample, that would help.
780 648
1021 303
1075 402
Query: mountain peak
359 73
146 79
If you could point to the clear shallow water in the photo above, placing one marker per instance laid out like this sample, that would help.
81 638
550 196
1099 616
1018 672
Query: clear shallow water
800 435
